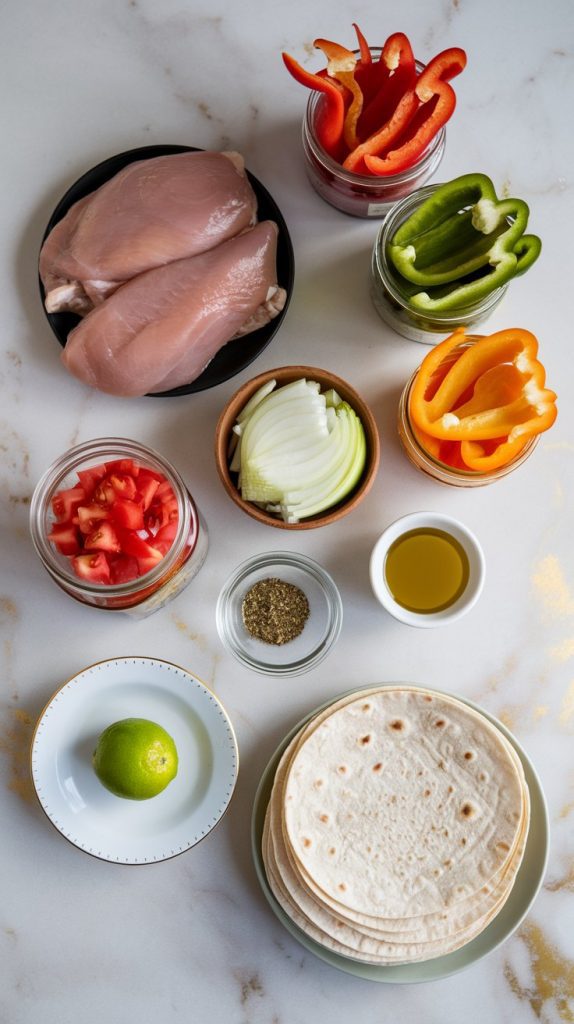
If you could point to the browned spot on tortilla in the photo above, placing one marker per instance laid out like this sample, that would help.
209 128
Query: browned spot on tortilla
440 723
342 887
306 843
377 767
15 738
366 707
342 769
450 789
426 792
365 740
463 841
397 725
441 765
324 818
467 810
332 851
468 755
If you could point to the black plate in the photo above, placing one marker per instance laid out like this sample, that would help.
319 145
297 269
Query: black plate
232 358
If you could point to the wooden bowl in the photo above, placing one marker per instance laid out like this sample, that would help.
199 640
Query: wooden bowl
284 375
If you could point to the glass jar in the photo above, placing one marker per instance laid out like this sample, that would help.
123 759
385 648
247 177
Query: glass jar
363 195
390 292
153 589
440 471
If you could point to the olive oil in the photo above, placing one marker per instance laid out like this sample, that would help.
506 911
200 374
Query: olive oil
426 570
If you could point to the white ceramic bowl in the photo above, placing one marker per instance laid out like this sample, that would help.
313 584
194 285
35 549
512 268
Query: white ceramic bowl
436 521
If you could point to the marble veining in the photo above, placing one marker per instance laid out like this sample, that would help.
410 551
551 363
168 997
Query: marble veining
193 938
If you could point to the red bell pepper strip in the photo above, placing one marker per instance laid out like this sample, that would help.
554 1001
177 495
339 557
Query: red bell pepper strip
364 48
396 75
437 99
331 113
381 140
341 66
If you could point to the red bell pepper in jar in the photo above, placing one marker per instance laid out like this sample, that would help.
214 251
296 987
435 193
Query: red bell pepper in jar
376 117
396 76
424 110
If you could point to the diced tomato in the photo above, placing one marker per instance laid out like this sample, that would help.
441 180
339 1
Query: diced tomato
89 515
124 568
117 523
65 503
165 537
123 485
165 491
66 538
90 477
103 538
129 466
128 514
104 492
147 486
147 555
94 568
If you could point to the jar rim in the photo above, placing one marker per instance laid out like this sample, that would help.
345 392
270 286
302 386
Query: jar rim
69 461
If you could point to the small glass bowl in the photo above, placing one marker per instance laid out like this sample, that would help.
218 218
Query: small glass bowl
391 298
363 195
441 471
319 632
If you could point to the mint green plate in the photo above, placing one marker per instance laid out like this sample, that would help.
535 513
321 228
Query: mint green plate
525 889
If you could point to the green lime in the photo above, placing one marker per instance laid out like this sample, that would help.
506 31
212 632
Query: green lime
135 759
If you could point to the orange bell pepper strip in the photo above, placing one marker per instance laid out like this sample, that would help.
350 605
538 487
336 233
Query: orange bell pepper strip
475 456
341 65
331 114
498 406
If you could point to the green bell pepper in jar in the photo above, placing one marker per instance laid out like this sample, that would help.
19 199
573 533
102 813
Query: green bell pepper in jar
461 244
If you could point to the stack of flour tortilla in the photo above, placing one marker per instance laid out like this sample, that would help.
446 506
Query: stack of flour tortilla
396 825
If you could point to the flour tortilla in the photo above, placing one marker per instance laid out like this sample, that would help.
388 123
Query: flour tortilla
356 699
365 944
403 804
435 734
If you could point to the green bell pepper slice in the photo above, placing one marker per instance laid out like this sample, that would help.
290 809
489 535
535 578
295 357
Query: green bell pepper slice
461 244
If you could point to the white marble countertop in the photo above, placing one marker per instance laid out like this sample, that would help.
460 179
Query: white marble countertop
193 938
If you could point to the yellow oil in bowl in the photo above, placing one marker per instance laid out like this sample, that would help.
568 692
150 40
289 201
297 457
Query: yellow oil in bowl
426 570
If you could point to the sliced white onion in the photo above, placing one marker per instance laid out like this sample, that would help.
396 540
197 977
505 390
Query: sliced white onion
299 452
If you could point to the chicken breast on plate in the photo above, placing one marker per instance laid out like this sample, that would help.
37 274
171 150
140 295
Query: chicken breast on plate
149 214
160 330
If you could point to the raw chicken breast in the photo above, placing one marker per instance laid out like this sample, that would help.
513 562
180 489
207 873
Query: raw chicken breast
151 213
160 330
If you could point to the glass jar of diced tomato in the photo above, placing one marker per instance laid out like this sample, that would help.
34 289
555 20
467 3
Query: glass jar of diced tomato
116 527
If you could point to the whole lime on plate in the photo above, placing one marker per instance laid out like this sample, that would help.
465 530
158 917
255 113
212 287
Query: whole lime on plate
135 759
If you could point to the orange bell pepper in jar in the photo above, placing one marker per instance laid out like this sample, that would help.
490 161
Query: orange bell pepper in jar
490 400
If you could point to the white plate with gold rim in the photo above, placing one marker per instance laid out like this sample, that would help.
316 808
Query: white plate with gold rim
134 831
525 889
